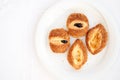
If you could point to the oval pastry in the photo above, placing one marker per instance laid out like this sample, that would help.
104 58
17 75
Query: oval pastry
77 25
59 40
77 55
96 39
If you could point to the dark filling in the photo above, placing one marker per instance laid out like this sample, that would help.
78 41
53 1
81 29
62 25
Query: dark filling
79 25
64 41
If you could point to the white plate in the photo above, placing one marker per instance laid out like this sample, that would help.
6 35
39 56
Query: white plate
57 64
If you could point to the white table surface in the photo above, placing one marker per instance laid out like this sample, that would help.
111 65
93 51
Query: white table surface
18 20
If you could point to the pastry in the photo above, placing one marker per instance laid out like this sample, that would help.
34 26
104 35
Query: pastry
96 39
77 55
77 24
59 40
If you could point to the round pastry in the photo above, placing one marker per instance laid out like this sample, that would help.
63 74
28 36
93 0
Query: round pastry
77 24
77 55
59 40
96 39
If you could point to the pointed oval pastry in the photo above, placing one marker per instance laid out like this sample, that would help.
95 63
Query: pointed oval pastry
96 39
59 40
77 24
77 55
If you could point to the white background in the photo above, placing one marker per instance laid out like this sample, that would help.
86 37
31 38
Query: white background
18 20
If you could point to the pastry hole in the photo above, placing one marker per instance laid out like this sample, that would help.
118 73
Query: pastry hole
79 25
64 41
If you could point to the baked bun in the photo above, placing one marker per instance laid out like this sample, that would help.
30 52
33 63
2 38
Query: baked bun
59 40
96 39
77 24
77 55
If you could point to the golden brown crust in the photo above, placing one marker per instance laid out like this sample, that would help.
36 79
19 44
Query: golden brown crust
59 34
75 18
103 36
78 33
59 48
81 51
